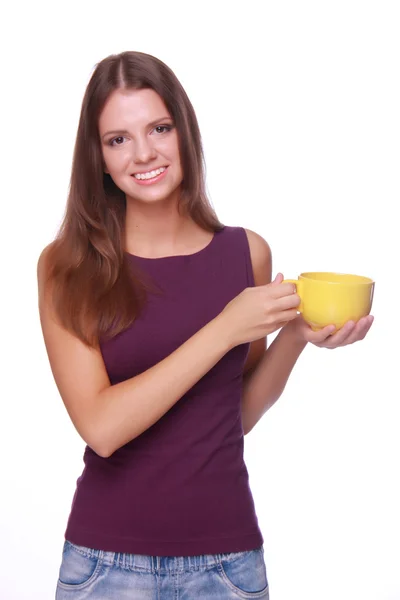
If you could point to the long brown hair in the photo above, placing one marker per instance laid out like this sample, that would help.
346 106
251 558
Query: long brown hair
94 292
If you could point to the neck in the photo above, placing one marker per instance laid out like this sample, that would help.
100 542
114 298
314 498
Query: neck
155 230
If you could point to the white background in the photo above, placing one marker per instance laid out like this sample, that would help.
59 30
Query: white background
298 103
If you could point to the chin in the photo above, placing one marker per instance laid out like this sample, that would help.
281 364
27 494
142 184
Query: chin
149 198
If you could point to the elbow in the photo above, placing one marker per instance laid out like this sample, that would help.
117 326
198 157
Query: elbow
105 446
102 452
246 425
99 448
98 434
247 429
105 437
98 442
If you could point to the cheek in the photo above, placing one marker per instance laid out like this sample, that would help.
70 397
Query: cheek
169 147
115 161
174 155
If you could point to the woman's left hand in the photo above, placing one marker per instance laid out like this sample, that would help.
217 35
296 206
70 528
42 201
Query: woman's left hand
325 338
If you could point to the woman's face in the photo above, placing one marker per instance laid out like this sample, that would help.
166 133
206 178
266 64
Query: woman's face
140 146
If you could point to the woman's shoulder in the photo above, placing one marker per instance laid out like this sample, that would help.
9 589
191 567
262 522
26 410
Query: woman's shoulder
261 257
256 240
43 261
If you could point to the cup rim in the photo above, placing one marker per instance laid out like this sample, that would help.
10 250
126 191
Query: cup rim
362 280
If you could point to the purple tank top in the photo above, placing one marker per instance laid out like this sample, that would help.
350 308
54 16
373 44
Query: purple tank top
180 488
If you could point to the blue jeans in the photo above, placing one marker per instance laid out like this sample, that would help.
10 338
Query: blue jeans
98 575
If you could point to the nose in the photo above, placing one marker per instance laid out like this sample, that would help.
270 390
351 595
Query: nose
144 152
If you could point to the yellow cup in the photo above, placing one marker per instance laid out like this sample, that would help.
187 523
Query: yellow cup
333 298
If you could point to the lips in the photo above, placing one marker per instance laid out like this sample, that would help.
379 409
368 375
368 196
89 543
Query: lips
150 171
150 180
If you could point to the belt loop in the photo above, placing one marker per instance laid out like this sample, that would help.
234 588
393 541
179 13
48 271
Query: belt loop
107 557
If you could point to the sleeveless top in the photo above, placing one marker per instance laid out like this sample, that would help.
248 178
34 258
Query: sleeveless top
181 487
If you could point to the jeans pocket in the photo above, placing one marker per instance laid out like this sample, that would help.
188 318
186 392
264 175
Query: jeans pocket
244 573
79 566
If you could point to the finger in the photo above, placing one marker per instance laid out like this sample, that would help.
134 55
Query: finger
278 279
339 338
366 325
283 289
287 302
360 331
319 337
370 320
286 315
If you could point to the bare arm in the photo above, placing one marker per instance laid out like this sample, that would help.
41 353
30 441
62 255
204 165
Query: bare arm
264 385
266 371
132 406
105 416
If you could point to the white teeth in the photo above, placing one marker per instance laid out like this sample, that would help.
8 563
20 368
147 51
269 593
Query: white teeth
150 174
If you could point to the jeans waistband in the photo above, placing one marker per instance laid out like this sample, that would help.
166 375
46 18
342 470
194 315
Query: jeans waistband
157 564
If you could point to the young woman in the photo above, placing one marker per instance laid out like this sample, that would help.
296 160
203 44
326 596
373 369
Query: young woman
155 317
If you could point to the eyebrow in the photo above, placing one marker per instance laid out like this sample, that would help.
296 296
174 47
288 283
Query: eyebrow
123 131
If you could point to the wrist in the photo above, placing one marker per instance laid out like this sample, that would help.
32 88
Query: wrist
292 332
222 333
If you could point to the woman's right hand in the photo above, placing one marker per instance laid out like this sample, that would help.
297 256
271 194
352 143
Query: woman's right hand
258 311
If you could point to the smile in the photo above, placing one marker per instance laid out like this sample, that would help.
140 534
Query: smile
150 178
150 174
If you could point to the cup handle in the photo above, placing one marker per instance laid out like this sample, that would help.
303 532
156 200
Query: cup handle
297 283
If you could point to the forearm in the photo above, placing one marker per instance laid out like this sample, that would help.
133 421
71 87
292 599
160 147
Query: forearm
127 409
266 382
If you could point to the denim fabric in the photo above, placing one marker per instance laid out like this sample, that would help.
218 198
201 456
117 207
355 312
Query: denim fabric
98 575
